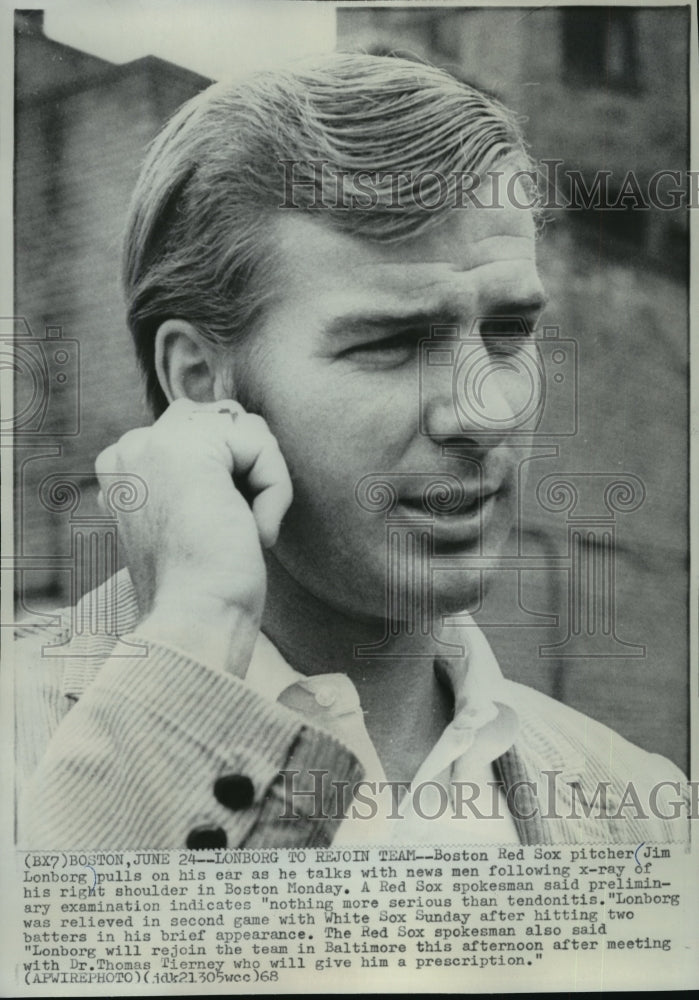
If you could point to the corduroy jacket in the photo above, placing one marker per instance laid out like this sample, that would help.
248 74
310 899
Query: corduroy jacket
124 744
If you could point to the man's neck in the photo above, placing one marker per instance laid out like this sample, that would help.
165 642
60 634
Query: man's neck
405 707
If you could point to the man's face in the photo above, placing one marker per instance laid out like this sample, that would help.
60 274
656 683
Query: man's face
335 369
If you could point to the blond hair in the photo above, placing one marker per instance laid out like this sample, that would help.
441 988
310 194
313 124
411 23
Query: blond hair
199 233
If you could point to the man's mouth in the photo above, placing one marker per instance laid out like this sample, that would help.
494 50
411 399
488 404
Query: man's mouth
469 505
459 523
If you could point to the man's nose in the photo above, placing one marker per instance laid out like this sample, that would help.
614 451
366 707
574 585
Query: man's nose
488 392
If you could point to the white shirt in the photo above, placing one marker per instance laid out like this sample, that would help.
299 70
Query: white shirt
484 726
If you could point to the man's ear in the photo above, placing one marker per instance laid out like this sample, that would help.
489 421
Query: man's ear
187 365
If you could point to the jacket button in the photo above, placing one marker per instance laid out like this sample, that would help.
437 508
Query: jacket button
203 837
235 791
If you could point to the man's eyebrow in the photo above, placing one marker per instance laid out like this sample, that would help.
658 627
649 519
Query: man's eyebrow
353 324
359 323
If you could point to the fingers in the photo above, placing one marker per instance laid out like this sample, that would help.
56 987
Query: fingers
270 475
256 456
243 442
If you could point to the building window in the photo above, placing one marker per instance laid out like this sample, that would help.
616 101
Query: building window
600 47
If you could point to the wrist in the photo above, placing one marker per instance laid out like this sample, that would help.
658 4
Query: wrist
216 633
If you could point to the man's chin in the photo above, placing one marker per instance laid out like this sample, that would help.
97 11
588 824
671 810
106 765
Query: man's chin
463 593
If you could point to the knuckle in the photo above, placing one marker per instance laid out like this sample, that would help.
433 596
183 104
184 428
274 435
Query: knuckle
113 457
229 403
132 439
179 405
258 423
179 410
106 460
173 412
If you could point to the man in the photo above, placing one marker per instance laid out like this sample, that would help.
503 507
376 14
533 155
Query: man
291 247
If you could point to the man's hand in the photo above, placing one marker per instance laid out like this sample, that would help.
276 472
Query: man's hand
218 488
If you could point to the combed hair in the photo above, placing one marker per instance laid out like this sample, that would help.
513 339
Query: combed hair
199 233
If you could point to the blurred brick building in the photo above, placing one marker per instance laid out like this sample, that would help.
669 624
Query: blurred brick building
81 128
588 80
600 88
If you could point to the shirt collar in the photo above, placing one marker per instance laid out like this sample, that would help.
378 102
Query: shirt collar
484 725
475 679
485 721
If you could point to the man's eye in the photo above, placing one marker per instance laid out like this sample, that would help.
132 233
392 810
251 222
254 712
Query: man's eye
399 347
